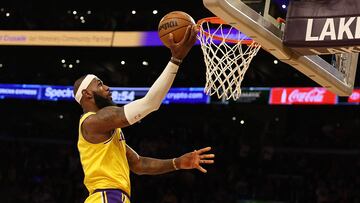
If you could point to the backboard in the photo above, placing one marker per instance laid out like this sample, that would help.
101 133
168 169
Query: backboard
258 20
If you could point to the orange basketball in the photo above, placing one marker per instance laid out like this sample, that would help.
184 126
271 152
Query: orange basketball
176 23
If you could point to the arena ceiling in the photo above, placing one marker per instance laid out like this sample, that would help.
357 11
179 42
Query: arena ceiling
43 64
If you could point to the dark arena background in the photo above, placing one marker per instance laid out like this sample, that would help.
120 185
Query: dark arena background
266 150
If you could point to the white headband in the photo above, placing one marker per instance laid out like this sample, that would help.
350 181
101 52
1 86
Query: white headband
84 84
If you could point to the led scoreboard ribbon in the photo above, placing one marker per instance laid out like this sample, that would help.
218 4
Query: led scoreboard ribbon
120 95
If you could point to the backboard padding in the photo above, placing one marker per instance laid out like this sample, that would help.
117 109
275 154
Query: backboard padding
261 30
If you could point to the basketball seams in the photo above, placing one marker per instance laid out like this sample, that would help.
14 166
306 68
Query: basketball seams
175 22
176 28
173 30
186 19
177 18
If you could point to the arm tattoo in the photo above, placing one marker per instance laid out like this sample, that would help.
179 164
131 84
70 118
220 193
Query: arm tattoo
113 115
151 166
146 165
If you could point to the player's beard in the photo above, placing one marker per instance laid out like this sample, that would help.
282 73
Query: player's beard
102 102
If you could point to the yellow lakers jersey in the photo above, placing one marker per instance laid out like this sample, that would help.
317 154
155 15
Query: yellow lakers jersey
105 164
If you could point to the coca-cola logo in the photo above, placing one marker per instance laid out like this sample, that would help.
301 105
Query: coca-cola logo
311 96
315 95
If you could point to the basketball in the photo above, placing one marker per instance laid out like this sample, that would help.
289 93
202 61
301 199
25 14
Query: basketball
176 23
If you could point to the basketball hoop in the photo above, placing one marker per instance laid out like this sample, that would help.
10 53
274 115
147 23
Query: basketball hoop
225 58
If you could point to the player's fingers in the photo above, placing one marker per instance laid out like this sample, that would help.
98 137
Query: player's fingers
202 169
207 156
187 34
171 39
200 151
206 161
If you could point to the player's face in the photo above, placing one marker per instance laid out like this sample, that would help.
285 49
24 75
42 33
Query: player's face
102 95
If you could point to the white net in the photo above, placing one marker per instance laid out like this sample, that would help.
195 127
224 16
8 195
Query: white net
225 58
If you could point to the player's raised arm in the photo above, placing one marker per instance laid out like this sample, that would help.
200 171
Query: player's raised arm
138 109
110 117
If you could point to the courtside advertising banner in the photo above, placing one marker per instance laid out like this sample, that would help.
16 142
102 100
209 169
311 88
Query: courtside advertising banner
56 38
314 96
120 95
80 38
254 95
354 97
16 91
189 95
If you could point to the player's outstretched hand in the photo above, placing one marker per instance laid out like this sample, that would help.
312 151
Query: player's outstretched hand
181 49
195 159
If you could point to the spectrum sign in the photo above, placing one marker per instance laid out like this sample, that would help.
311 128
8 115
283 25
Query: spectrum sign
120 95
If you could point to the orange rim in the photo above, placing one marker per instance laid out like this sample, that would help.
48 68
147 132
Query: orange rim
219 21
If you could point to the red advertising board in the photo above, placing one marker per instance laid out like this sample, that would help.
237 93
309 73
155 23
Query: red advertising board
355 96
302 96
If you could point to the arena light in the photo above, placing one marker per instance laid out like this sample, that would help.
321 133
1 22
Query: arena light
88 12
133 12
63 61
276 61
74 12
122 62
70 66
242 122
145 63
7 14
155 12
77 61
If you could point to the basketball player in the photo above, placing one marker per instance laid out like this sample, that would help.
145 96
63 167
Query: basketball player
105 157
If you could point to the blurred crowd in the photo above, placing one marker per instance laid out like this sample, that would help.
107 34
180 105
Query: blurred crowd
285 158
